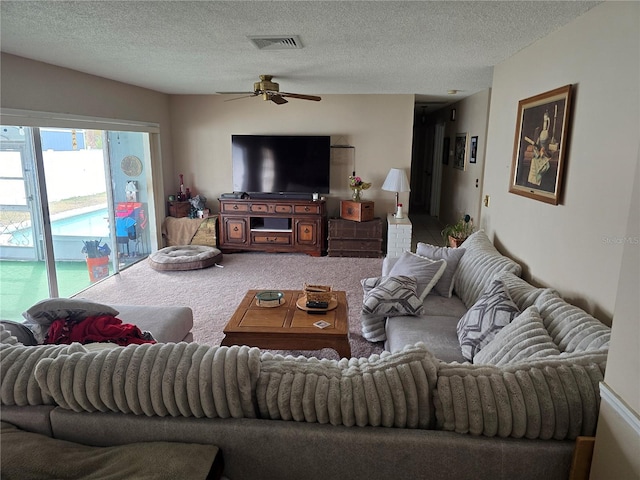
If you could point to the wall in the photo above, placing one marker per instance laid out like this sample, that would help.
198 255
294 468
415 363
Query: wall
462 189
618 435
379 126
573 246
40 87
578 247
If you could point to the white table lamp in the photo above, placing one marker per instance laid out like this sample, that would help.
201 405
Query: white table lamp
396 181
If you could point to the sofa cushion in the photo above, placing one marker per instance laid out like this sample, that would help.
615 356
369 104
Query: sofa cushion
54 458
42 314
373 327
20 332
435 305
166 323
156 379
390 296
18 385
523 339
437 333
493 310
521 292
554 397
427 272
444 287
477 267
389 390
571 328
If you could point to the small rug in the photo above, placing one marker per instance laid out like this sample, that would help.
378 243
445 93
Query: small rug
214 293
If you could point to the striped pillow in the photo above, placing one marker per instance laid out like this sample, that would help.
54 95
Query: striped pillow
523 339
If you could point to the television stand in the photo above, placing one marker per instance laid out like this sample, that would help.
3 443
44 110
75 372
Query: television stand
272 225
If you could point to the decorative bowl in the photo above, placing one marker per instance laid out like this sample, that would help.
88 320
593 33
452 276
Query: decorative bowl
269 298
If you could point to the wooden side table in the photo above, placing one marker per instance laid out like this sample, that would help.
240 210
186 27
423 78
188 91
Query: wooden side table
348 238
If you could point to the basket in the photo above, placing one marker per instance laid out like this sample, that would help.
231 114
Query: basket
318 293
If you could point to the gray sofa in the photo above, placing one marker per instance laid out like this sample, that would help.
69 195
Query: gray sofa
416 411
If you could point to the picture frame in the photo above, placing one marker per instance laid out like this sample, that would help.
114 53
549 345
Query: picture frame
473 153
540 145
446 145
460 151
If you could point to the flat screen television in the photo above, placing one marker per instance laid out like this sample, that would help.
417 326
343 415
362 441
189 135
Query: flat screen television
281 164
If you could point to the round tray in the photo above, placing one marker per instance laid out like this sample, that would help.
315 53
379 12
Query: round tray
302 305
270 299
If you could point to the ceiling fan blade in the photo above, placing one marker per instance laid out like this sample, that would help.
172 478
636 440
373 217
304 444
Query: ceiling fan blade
301 97
277 99
238 98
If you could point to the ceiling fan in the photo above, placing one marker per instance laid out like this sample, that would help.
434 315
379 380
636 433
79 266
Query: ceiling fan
270 91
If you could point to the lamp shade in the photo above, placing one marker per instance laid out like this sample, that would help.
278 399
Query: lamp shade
396 181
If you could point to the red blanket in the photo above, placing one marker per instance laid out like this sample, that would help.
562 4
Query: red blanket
102 328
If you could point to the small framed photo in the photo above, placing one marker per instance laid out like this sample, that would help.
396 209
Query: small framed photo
540 145
446 145
460 152
473 155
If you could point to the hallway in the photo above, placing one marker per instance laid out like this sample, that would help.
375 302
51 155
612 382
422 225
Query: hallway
426 229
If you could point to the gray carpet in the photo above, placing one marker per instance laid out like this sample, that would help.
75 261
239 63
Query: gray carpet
214 293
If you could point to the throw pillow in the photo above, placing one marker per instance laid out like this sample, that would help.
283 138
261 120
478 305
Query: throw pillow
42 314
444 286
21 332
426 271
525 338
493 310
391 296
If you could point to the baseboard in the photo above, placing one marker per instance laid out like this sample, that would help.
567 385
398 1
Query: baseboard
620 407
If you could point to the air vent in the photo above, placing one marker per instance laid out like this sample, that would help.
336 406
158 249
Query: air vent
276 42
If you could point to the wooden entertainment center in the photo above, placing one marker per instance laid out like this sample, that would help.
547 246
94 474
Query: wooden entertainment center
272 225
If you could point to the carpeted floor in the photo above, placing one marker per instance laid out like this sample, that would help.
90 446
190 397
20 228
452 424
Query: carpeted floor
214 293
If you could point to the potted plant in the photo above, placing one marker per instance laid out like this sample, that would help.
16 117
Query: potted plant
357 185
457 233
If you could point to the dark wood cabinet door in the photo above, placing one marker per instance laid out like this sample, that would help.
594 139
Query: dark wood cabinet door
306 232
234 231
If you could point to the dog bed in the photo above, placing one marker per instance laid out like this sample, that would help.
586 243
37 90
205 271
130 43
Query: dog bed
184 257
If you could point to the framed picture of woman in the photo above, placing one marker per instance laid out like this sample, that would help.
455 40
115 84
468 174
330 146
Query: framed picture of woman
540 144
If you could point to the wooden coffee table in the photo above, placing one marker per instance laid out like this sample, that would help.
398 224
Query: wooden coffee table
287 327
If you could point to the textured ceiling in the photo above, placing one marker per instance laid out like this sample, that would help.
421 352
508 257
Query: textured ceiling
350 47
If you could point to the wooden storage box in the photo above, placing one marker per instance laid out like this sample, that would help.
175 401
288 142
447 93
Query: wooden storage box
355 239
356 211
179 209
355 248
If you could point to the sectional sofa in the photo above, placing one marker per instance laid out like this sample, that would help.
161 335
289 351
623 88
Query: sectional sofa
419 410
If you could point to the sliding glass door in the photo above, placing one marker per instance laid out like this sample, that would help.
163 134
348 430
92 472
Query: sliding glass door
73 210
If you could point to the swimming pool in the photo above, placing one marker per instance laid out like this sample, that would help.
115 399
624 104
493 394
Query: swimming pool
86 223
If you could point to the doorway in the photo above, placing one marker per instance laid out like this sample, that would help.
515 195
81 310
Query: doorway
64 193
